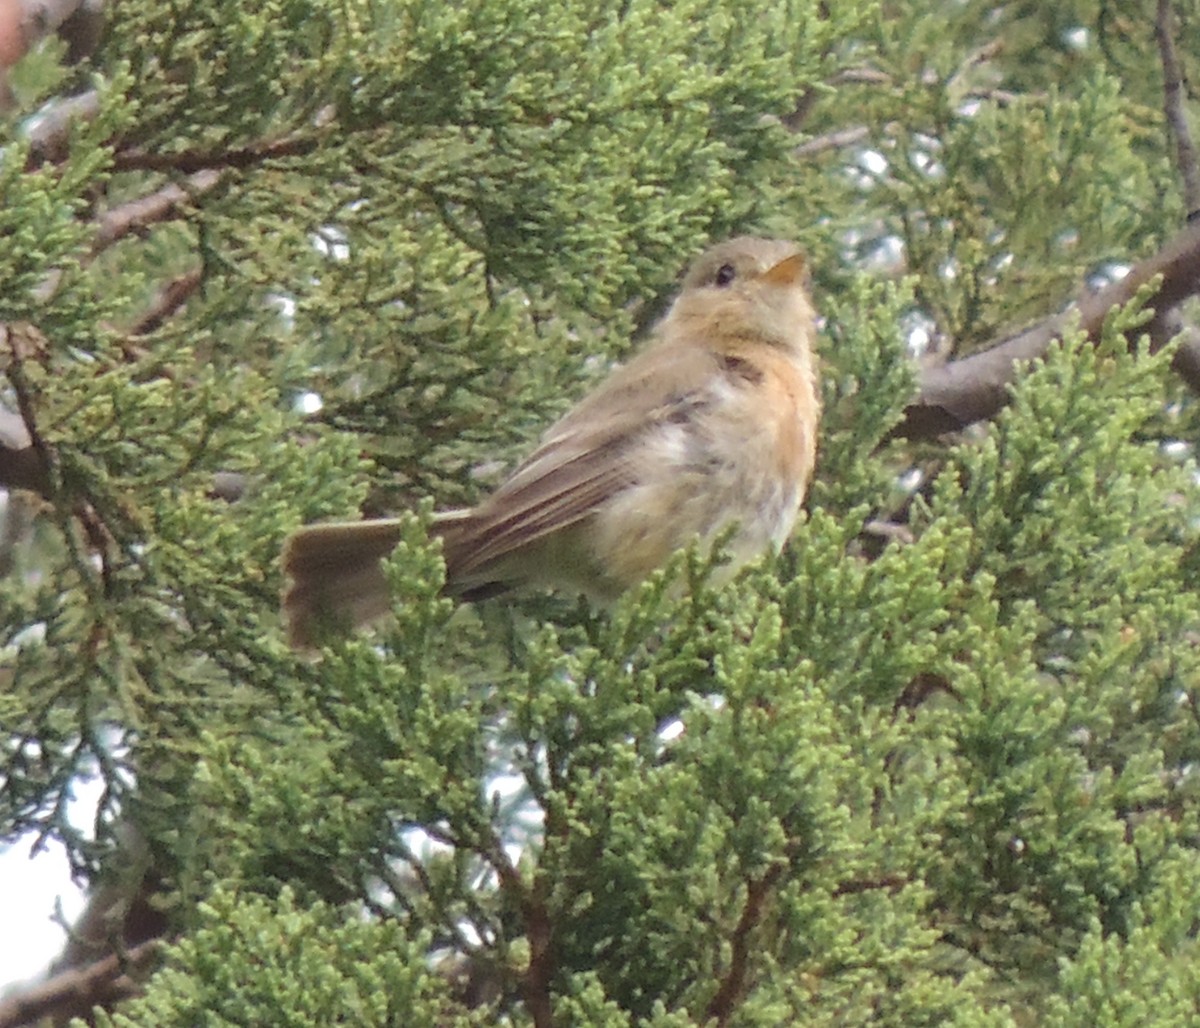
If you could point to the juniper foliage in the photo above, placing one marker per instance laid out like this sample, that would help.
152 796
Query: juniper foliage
946 778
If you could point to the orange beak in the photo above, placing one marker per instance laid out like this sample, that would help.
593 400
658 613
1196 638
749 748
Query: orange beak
788 272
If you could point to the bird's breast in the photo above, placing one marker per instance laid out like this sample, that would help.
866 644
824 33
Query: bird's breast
738 451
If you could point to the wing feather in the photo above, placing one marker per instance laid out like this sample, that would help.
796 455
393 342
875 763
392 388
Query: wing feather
583 459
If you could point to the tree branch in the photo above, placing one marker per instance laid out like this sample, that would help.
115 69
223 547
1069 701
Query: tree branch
722 1005
831 141
147 210
169 299
1174 97
959 393
539 930
189 161
49 133
77 991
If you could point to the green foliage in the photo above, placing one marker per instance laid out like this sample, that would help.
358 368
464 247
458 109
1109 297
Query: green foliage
255 961
1144 977
941 775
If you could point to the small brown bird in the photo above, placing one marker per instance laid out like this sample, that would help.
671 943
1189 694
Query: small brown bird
713 424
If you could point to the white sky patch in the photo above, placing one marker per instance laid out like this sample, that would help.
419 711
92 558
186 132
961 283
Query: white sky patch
1177 448
30 888
308 403
672 730
1106 274
1076 38
331 242
873 161
887 255
286 305
911 480
917 329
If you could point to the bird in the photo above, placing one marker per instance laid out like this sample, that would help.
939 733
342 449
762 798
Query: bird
709 432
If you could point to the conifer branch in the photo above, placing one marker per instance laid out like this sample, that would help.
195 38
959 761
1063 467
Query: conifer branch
236 158
17 339
20 465
51 132
39 18
154 207
167 301
722 1005
24 23
831 141
1174 98
956 394
76 991
539 930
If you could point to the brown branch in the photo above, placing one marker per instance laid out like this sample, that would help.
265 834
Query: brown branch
831 141
861 76
1174 97
16 337
167 301
889 882
24 465
238 158
42 17
722 1005
20 465
23 23
83 30
147 210
1186 362
539 930
50 133
76 991
954 395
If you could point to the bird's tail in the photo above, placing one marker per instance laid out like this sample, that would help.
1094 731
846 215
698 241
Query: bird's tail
334 578
336 583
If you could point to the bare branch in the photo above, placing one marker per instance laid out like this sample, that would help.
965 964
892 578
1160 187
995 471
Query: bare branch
956 394
42 17
50 132
1174 97
23 341
169 299
20 465
76 991
831 141
24 23
199 160
147 210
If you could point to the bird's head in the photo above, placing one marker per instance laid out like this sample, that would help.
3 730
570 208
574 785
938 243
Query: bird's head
748 289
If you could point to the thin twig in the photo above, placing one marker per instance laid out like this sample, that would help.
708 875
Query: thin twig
166 302
41 17
50 132
25 406
539 930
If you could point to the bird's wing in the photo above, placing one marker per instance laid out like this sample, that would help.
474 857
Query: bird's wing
585 457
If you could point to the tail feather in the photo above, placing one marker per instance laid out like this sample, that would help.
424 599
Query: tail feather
335 580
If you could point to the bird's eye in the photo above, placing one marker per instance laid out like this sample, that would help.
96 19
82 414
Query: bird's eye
725 274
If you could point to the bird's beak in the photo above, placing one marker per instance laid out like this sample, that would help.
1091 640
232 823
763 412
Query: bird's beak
788 272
